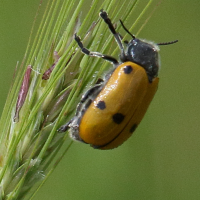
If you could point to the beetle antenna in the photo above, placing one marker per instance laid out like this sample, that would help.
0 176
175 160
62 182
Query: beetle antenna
166 43
126 29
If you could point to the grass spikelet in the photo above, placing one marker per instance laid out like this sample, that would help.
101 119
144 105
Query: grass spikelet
47 86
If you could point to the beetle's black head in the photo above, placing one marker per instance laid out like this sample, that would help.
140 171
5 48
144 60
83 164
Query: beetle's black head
144 54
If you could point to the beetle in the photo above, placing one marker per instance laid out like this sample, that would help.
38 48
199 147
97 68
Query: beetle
111 110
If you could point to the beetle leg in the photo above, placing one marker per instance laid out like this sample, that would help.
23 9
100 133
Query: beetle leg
117 36
86 96
97 54
65 127
90 92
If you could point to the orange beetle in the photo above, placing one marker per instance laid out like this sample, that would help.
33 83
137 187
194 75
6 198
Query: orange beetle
110 111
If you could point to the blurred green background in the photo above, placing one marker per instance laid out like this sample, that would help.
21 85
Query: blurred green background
162 159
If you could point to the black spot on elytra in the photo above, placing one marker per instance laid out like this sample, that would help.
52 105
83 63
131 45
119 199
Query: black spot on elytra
118 118
128 69
133 128
101 105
